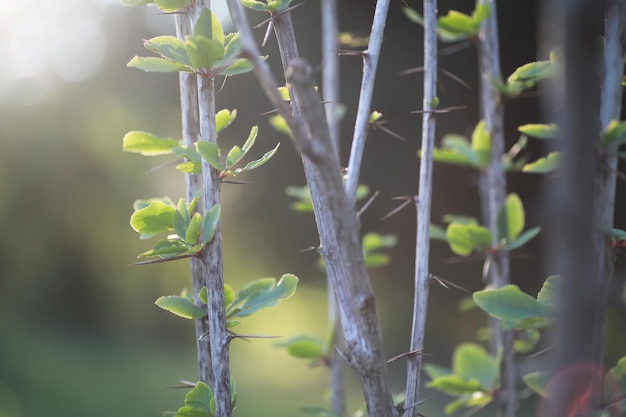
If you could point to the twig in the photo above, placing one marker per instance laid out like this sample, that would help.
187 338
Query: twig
370 62
423 206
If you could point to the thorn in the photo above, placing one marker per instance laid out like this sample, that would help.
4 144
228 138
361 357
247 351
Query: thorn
311 248
367 203
438 111
444 283
408 407
378 125
237 182
411 353
449 50
184 384
350 52
539 353
270 25
407 199
274 15
245 337
160 167
159 260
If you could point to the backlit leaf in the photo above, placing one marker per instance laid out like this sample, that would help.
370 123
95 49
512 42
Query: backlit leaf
169 47
154 219
180 306
155 64
545 165
473 363
513 306
540 131
147 144
466 238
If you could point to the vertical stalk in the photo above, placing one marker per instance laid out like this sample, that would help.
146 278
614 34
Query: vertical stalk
606 171
499 271
212 258
191 131
571 205
330 88
422 248
370 63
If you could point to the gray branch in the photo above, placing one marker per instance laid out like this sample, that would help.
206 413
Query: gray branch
499 270
370 63
422 249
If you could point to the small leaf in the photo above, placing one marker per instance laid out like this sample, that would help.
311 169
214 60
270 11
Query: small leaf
538 382
193 230
472 362
203 52
210 153
132 3
147 144
305 347
279 123
549 293
169 47
481 143
262 160
154 219
540 131
437 233
180 224
209 27
435 371
522 239
224 118
169 6
511 218
254 5
167 249
249 143
550 163
210 222
200 397
455 385
229 295
239 66
264 293
465 238
614 134
180 306
513 307
155 64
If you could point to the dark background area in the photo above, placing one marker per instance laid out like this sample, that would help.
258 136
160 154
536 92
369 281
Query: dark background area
79 334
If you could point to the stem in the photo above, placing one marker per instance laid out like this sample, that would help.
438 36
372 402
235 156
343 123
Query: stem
606 172
571 205
422 249
191 131
212 257
330 88
499 271
370 62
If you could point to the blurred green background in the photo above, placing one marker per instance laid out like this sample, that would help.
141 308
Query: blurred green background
79 333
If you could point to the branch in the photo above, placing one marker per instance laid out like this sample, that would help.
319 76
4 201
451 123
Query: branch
191 131
422 249
370 62
499 271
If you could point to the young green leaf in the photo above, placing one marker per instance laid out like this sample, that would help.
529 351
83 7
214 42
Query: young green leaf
193 230
549 293
305 347
614 134
263 293
279 123
545 165
455 385
522 239
203 52
481 143
167 249
170 6
132 3
155 64
514 307
239 66
466 238
538 382
200 397
180 306
209 27
540 131
511 218
473 363
262 160
435 371
169 47
437 233
210 222
156 218
147 144
224 118
210 153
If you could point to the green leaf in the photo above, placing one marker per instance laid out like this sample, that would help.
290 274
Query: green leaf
155 64
179 224
455 218
458 23
545 165
249 143
154 219
180 306
167 249
513 307
465 238
203 294
481 143
203 52
540 131
305 347
472 362
210 222
254 5
549 293
263 293
239 66
460 145
262 160
455 385
132 3
522 239
614 134
538 382
527 76
511 218
373 242
268 6
199 397
232 48
193 230
437 233
192 412
482 11
169 47
618 374
224 118
229 295
210 153
209 27
147 144
234 156
169 6
477 399
279 123
413 15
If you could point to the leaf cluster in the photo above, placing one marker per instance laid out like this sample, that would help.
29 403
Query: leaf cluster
200 402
